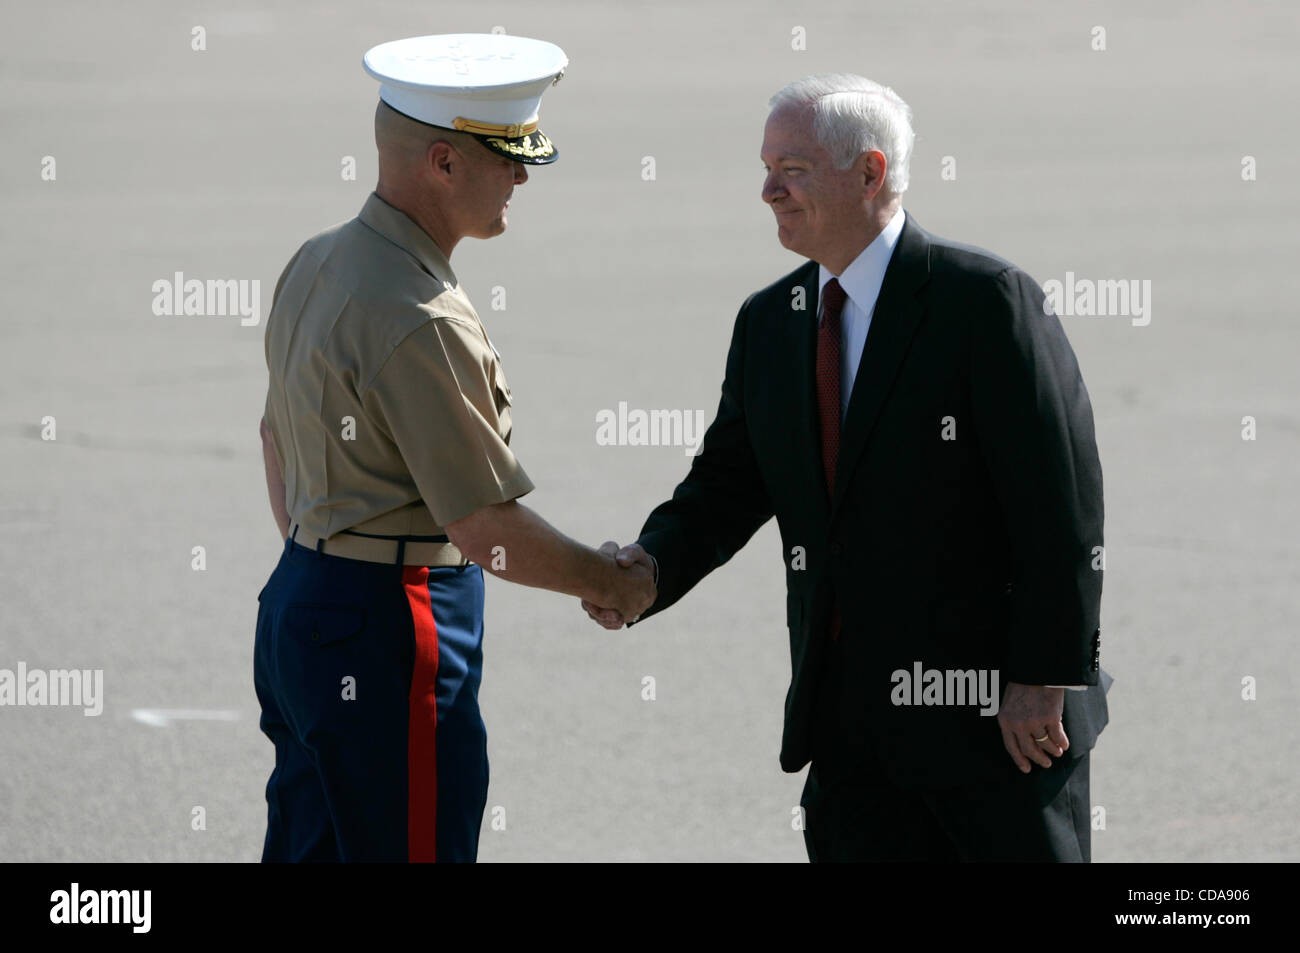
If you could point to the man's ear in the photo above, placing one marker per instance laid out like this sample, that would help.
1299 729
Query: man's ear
871 167
443 160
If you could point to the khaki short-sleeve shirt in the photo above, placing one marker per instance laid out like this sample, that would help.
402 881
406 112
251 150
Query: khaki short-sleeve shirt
387 403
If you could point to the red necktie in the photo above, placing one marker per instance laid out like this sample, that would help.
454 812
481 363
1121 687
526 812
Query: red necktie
828 379
828 397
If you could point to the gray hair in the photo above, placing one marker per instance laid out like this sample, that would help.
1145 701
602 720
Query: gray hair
852 115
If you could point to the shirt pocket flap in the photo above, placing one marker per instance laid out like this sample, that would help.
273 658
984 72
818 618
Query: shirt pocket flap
502 390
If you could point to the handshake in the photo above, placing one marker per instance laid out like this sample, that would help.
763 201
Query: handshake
634 590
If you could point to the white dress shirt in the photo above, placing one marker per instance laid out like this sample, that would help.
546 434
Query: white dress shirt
861 282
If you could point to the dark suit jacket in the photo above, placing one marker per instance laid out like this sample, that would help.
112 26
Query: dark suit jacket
967 553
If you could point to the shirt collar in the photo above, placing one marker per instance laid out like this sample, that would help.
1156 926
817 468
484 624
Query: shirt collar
402 231
861 281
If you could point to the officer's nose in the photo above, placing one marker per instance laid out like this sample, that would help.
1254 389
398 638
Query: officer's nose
521 173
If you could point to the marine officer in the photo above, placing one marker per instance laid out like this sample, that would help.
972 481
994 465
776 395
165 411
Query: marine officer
386 443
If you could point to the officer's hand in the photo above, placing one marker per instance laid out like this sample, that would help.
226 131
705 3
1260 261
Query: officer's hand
609 618
636 561
635 591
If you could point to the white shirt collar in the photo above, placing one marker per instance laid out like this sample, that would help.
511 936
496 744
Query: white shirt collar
863 277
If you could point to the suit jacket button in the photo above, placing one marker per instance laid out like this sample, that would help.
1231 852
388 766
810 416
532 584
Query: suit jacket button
837 549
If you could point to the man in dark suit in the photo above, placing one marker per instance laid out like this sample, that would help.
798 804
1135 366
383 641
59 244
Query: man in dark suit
916 421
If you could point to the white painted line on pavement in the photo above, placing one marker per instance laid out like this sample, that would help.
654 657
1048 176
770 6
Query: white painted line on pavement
163 717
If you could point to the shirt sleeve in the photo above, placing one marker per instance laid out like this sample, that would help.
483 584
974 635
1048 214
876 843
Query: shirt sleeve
437 395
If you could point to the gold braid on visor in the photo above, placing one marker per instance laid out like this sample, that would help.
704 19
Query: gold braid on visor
540 149
476 128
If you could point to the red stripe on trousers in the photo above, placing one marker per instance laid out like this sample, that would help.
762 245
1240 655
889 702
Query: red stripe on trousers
422 726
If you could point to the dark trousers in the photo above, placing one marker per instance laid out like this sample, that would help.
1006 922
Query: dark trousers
857 814
368 678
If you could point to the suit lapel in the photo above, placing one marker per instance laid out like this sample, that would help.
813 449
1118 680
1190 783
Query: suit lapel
805 441
893 324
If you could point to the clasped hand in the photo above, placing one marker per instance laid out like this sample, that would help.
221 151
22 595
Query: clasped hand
636 591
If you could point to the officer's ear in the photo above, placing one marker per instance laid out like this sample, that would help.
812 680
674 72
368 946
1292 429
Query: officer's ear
444 160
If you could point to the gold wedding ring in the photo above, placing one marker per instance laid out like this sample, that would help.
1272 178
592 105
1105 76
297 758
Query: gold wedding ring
1044 738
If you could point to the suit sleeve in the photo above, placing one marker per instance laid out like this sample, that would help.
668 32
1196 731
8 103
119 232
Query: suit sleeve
1033 420
722 501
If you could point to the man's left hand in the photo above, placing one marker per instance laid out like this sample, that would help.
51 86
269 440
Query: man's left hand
1030 719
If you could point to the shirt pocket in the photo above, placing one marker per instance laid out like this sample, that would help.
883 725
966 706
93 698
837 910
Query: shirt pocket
502 399
502 389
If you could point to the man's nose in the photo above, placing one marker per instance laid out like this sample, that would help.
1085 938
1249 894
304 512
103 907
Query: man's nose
521 173
772 189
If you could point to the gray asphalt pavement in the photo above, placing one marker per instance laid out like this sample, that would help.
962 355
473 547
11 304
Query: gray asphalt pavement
1122 163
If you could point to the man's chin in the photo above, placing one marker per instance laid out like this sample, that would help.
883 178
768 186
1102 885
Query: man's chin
787 240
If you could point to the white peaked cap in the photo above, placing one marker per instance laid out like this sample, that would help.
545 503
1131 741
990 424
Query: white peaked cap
489 85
